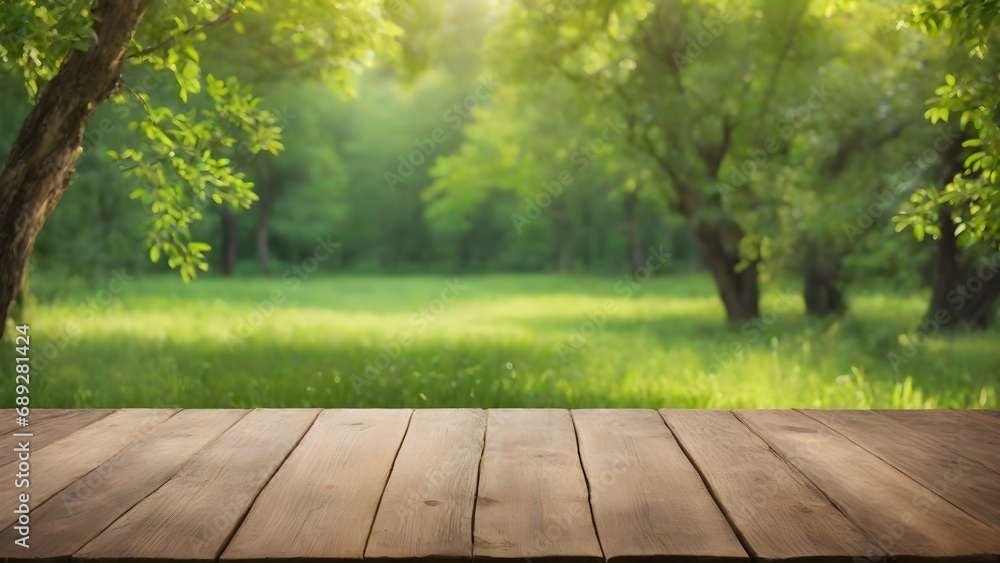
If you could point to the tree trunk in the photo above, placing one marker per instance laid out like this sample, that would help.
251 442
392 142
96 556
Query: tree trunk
822 293
633 244
965 293
264 217
40 163
718 244
228 241
19 309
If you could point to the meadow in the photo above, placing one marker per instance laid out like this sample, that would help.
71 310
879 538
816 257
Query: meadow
484 341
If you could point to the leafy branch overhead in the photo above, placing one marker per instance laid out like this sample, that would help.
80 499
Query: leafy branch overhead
195 124
968 99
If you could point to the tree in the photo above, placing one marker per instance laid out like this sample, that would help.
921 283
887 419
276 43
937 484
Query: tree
821 205
563 166
72 58
961 212
703 87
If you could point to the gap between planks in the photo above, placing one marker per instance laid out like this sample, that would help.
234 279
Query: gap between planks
988 419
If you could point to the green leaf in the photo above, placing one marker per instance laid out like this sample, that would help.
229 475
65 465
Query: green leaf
154 254
973 158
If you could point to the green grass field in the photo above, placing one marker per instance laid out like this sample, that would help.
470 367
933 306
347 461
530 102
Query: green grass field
531 341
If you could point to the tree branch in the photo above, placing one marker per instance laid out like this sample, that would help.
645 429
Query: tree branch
779 63
200 26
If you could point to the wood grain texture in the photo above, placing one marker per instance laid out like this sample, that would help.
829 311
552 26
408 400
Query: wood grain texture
161 486
648 501
533 499
426 510
322 502
780 515
964 483
992 421
193 515
73 456
972 437
8 418
907 520
82 510
8 425
49 427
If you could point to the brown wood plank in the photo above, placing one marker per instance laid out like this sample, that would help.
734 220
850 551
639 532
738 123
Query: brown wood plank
426 510
780 515
8 418
533 499
994 414
50 428
7 421
193 516
990 421
972 437
907 520
74 456
648 501
8 424
322 502
963 482
80 512
38 415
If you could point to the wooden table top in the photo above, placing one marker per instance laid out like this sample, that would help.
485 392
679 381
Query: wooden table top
575 486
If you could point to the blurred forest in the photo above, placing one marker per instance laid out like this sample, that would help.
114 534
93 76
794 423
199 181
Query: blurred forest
838 147
788 136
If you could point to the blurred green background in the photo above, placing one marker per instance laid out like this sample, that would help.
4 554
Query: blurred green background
515 203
